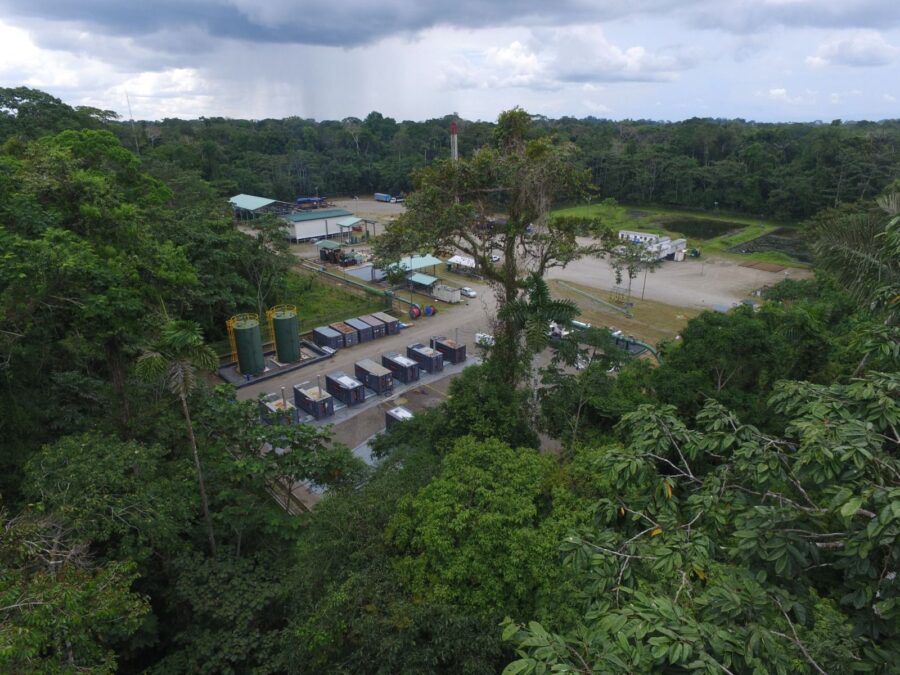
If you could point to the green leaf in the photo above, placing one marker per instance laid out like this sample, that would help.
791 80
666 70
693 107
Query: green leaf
519 666
851 507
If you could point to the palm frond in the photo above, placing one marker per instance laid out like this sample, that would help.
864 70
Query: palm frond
177 357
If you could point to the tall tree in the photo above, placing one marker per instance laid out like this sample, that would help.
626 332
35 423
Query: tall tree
531 316
862 249
175 360
60 611
499 199
723 549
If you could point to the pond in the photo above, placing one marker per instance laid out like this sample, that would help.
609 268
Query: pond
701 228
783 240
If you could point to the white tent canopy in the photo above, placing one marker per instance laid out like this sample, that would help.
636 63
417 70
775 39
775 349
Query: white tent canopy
462 261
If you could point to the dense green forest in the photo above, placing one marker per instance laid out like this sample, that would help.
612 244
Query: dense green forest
782 171
734 508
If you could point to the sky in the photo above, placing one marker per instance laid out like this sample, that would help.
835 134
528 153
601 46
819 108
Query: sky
764 60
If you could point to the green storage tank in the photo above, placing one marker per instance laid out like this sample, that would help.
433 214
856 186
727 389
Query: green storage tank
286 328
248 341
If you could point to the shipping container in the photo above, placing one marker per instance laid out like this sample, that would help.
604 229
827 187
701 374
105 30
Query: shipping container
382 197
396 415
403 368
345 388
453 351
430 360
375 377
446 293
392 325
377 325
328 337
317 402
351 337
363 330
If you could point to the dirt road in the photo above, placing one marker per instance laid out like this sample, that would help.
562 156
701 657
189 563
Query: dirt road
693 283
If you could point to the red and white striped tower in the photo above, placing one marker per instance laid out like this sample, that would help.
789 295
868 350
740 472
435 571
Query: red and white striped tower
454 144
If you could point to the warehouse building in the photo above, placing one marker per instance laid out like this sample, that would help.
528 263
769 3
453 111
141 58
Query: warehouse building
320 224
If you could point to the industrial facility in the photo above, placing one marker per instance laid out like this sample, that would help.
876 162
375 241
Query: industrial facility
430 360
307 218
658 247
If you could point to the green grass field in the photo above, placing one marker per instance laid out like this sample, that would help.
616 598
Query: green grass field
319 302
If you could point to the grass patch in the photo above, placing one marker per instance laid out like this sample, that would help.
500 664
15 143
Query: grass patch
651 322
320 302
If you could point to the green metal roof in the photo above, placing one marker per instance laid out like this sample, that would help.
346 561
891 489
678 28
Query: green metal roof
250 202
423 279
416 262
327 243
317 214
349 222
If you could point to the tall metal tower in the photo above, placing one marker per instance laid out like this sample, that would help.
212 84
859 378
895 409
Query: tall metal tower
454 141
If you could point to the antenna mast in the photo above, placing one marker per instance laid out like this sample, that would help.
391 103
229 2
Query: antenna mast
137 148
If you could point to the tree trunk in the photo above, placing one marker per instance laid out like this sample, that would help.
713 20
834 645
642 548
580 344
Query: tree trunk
190 430
117 376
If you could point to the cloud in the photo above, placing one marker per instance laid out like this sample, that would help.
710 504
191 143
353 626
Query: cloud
554 58
416 59
860 49
342 23
350 23
781 95
583 54
753 16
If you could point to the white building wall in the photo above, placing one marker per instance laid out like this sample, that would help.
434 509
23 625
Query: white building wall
314 229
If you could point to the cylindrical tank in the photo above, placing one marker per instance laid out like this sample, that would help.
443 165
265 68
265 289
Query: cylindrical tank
248 341
286 327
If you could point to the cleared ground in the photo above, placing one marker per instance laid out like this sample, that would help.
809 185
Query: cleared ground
650 321
369 209
694 283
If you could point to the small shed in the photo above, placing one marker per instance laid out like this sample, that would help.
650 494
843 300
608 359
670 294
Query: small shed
375 377
345 388
421 282
328 250
451 349
403 368
363 330
396 415
430 360
351 337
328 337
392 325
317 402
377 325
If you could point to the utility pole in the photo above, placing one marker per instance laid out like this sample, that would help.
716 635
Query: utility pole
644 287
137 148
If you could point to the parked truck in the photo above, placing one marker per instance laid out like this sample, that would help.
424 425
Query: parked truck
383 197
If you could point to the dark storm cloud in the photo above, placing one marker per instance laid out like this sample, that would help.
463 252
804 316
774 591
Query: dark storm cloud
338 23
356 22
